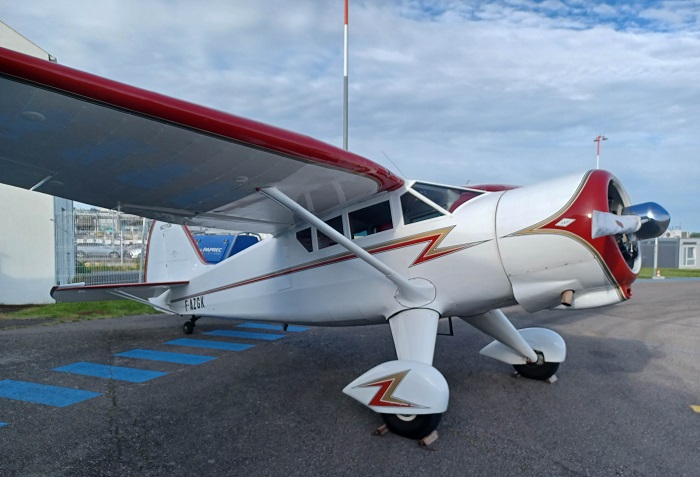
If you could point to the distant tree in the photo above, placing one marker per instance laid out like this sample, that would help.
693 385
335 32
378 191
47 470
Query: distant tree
695 235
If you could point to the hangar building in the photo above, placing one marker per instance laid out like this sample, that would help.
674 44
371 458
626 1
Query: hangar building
34 226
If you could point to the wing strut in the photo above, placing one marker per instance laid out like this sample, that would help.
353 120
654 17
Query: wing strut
413 292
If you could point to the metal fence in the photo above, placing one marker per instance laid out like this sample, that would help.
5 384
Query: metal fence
667 253
99 247
103 247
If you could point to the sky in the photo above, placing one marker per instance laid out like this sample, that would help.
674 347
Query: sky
454 92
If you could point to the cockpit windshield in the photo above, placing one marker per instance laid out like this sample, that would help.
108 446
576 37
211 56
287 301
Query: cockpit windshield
449 198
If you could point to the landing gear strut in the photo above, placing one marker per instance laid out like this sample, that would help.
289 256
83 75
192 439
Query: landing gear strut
535 353
395 388
188 326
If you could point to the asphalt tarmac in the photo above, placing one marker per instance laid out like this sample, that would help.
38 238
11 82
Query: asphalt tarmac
622 405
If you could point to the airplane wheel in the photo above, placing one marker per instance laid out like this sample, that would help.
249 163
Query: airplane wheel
413 426
188 327
540 372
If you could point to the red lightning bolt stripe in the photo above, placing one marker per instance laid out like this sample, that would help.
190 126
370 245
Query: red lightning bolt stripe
387 385
430 252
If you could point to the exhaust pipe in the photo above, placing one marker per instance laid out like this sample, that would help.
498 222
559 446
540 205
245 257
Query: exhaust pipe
567 297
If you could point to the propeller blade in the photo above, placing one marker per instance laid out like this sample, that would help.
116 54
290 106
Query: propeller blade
605 223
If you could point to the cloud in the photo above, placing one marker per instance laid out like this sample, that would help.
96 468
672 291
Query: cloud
508 91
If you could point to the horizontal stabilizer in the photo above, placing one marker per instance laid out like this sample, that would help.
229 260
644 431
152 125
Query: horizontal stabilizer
124 291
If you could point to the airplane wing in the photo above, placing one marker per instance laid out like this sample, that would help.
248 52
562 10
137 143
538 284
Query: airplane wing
78 136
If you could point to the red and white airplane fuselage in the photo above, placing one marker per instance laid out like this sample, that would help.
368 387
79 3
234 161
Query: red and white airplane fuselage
526 245
349 242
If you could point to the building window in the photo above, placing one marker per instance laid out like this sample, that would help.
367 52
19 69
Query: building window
689 255
371 220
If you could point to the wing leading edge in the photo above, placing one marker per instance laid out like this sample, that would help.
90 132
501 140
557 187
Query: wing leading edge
75 135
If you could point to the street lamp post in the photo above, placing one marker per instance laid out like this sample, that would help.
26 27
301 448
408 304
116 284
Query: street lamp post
597 155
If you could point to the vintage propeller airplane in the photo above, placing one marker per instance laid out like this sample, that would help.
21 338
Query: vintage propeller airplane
351 243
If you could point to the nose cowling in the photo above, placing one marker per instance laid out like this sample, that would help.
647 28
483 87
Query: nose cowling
552 244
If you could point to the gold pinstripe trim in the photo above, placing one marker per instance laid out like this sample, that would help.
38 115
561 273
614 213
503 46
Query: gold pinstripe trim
537 229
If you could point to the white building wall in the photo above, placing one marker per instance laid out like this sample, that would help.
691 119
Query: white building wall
27 255
27 249
12 40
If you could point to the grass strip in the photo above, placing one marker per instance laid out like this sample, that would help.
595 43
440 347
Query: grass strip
649 272
13 316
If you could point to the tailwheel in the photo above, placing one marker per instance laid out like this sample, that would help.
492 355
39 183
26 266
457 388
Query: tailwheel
188 326
412 426
541 370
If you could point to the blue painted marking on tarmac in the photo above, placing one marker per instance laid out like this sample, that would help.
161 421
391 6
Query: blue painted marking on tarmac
119 373
245 334
3 424
166 356
268 326
210 344
43 393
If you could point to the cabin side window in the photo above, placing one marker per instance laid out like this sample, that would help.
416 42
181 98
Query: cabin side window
415 210
324 241
371 220
304 238
363 222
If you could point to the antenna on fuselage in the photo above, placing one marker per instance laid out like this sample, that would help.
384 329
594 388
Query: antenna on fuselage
394 164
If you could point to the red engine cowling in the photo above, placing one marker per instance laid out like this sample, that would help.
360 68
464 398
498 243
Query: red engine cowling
547 246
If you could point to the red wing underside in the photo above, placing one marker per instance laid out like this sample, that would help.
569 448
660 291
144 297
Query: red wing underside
74 135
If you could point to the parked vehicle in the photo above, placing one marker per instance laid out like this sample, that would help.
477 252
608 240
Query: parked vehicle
134 251
96 250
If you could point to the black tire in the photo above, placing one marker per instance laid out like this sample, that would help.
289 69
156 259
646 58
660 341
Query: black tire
415 426
540 372
188 327
113 255
80 254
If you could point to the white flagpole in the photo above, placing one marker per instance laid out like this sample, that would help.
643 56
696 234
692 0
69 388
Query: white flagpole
345 79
